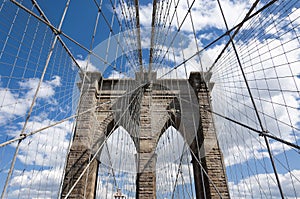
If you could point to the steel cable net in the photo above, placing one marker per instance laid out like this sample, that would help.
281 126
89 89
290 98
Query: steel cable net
248 55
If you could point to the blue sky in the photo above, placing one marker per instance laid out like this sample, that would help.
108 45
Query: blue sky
25 43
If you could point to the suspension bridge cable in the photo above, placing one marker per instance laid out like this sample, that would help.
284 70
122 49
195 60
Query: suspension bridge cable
221 36
97 151
56 30
253 103
267 44
260 132
33 102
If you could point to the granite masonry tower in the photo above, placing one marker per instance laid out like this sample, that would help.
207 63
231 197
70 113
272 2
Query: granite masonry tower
101 101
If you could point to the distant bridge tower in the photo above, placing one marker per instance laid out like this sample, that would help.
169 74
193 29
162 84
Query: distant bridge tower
93 127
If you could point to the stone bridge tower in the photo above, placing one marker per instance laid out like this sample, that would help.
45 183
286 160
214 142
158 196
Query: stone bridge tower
152 108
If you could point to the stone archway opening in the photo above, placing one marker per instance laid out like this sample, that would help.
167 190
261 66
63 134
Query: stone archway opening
174 169
117 166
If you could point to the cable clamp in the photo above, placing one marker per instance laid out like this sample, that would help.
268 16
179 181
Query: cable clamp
263 132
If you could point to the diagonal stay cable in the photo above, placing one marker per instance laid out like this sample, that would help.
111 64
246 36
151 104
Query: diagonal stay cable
235 32
204 171
253 103
179 169
129 26
158 55
111 29
160 36
60 32
99 148
259 132
23 136
34 100
221 36
56 30
178 30
88 60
